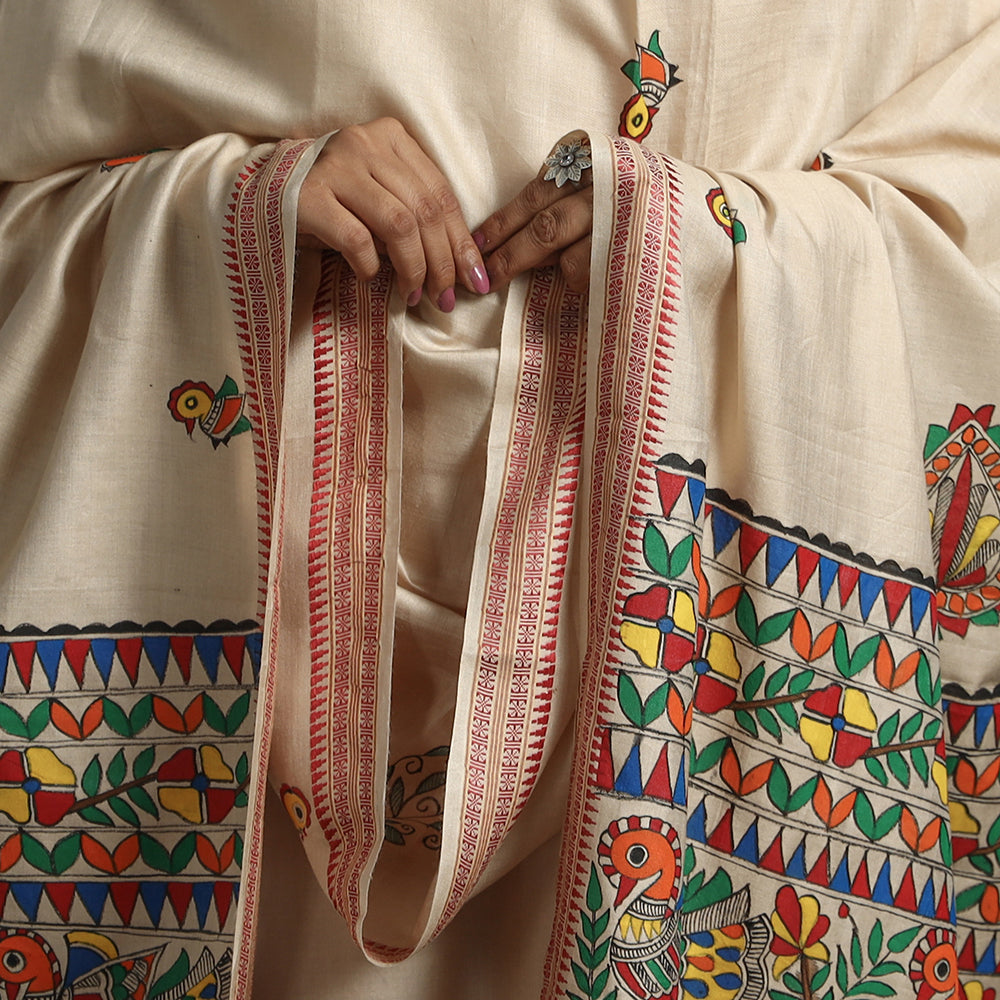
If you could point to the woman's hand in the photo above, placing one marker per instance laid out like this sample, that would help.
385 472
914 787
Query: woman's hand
373 189
544 225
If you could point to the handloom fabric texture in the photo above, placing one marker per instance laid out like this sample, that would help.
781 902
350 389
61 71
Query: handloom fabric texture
635 645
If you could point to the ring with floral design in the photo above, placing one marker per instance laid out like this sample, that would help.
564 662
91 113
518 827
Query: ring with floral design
567 162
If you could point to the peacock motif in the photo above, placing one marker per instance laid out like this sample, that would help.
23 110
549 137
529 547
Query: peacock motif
659 953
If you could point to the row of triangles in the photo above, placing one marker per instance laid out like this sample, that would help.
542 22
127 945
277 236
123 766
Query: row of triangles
148 655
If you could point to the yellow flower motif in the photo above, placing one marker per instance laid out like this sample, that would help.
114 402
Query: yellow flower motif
962 821
35 781
193 786
835 724
799 928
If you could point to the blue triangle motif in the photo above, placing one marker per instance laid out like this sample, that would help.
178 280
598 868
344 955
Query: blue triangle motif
680 789
203 895
748 849
988 963
882 890
827 574
27 895
724 526
157 649
629 779
696 494
49 654
696 824
4 658
919 602
153 896
103 652
209 648
254 643
796 867
93 895
983 717
869 587
926 906
780 552
841 881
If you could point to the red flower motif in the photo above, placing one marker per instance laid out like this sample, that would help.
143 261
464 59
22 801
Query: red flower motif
799 928
35 783
636 118
199 787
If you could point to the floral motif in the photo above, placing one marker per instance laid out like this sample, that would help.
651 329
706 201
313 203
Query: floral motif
663 631
35 782
636 118
836 724
717 671
197 785
799 928
567 162
298 808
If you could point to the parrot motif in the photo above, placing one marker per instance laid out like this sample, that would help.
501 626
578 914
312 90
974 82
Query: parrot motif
660 953
652 77
219 414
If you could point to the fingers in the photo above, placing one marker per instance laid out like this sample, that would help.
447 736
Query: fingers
373 187
558 233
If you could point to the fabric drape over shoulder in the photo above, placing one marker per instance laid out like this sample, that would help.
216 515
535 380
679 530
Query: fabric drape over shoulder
699 573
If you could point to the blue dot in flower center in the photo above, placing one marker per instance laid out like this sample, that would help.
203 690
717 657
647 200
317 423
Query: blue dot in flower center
702 667
200 783
31 786
838 723
665 625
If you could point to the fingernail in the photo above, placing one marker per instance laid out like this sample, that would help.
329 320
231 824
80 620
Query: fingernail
479 238
446 301
414 297
480 282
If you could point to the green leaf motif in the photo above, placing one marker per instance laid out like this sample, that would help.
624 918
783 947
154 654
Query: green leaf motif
38 719
116 719
793 983
65 853
888 821
143 762
213 715
773 628
36 855
777 681
94 815
932 729
864 816
841 654
803 794
911 727
656 704
172 977
863 654
582 979
655 551
778 787
681 557
746 617
767 721
708 757
183 852
886 969
601 951
753 681
595 898
936 435
237 713
888 729
243 767
786 712
142 799
586 955
117 769
91 780
856 958
871 988
802 681
918 756
982 863
874 767
841 970
820 976
629 699
875 940
925 682
900 769
12 723
969 898
124 811
601 982
153 853
746 721
141 714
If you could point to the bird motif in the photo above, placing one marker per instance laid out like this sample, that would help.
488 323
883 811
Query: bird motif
659 953
219 414
641 856
29 968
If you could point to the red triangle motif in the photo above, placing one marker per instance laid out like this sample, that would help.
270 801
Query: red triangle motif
958 717
669 485
658 786
806 561
895 594
847 578
906 898
820 874
861 886
944 907
223 900
967 956
605 766
179 894
123 897
232 650
61 894
722 838
751 542
773 859
181 646
129 651
4 889
24 659
75 651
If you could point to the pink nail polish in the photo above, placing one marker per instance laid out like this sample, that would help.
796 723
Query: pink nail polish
446 301
479 238
480 282
414 297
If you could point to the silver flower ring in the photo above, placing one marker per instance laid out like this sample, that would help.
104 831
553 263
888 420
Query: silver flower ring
567 162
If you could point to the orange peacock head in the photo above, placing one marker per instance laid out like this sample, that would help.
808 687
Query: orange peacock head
642 850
